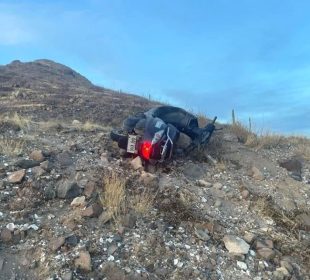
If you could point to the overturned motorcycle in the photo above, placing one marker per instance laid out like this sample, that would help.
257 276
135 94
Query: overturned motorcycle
153 135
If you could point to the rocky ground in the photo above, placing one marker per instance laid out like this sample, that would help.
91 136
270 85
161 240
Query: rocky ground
73 208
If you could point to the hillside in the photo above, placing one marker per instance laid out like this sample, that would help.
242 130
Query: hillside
72 208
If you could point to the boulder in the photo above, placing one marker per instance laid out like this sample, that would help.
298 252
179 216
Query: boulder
266 253
56 243
136 163
78 201
27 163
236 245
17 176
293 165
6 235
37 155
68 189
257 174
93 210
83 262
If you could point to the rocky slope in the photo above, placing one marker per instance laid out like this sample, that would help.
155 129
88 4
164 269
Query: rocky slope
73 208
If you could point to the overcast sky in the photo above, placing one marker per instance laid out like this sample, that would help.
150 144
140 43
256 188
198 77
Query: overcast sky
207 56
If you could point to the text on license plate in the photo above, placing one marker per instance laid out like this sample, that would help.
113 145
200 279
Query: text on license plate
131 145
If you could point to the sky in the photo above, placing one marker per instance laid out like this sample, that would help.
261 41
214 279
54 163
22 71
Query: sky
208 56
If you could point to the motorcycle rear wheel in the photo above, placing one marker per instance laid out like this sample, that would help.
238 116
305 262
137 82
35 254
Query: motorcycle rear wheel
118 135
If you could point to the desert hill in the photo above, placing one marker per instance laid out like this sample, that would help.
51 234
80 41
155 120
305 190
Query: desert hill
71 207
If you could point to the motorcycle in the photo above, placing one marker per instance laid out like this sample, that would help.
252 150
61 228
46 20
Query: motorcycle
157 141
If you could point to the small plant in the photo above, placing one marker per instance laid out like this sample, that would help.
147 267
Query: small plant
113 195
142 203
269 140
89 126
19 121
11 147
240 131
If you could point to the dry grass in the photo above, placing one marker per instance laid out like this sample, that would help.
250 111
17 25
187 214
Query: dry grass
11 147
17 120
90 126
241 132
302 146
265 140
142 203
52 124
113 195
268 208
202 120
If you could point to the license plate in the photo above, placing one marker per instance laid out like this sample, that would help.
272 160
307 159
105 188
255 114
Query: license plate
131 145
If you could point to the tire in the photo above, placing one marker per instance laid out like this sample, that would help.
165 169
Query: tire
118 135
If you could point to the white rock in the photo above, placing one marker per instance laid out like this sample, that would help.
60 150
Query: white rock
136 163
10 226
204 183
242 265
175 261
34 227
235 244
78 201
76 122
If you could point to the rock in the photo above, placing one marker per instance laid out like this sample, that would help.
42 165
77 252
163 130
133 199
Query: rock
148 179
68 189
245 194
6 235
249 237
136 163
193 171
129 220
89 189
204 183
38 171
27 163
83 262
296 176
56 243
112 272
281 273
17 176
257 174
304 221
266 253
105 217
112 249
72 240
76 122
78 201
183 141
65 159
67 275
293 165
236 245
218 203
37 155
287 265
217 186
267 243
242 265
49 193
46 165
93 210
202 234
